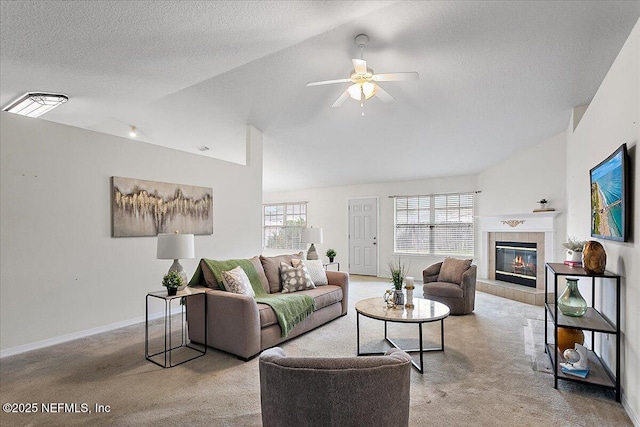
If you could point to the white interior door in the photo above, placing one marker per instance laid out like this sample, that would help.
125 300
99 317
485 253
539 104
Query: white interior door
363 243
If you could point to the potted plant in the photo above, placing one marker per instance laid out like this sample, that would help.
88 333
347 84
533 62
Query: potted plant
574 249
172 281
543 203
398 271
331 254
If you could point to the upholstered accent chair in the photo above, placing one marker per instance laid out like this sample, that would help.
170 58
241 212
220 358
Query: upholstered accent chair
451 282
344 391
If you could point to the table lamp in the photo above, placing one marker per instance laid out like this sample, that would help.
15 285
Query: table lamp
176 246
312 235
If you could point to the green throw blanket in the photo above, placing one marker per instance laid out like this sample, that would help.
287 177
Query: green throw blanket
290 309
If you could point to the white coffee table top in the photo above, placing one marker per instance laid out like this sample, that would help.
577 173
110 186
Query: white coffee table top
424 310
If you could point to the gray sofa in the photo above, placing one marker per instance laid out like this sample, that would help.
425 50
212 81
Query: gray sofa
237 324
341 391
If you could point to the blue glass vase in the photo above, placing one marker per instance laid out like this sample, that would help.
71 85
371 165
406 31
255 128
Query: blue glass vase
571 303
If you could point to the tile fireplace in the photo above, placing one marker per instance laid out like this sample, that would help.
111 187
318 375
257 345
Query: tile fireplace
516 262
513 252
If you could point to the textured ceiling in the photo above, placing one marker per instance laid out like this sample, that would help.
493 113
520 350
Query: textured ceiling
495 77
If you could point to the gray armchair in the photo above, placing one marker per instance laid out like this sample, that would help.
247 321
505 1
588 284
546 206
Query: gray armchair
345 391
451 282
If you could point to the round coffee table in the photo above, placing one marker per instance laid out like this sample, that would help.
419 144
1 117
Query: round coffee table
425 311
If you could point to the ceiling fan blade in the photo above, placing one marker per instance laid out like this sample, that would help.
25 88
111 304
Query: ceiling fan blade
360 66
328 82
342 98
396 77
383 94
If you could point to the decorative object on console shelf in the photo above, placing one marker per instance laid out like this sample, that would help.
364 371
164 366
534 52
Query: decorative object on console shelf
571 302
577 363
574 249
594 257
176 246
573 263
312 235
172 281
569 337
331 254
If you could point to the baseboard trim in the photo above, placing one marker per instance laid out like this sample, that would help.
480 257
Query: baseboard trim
633 416
80 334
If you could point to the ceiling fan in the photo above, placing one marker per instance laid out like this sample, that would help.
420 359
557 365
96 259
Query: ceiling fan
364 82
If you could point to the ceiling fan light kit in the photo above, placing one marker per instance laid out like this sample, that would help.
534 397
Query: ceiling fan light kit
364 81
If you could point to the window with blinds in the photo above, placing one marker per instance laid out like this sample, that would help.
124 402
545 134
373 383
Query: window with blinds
283 224
437 224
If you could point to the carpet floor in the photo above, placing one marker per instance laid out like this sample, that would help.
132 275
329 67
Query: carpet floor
490 374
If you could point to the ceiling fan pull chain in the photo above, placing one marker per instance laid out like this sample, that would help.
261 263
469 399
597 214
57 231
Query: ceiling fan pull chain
362 98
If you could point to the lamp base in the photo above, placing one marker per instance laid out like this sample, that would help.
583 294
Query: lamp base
312 254
178 268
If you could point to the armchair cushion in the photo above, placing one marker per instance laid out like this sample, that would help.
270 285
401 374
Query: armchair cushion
452 270
445 289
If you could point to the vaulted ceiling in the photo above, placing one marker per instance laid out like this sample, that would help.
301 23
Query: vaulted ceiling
495 77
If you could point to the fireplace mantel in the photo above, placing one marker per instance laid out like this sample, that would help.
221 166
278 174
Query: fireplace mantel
521 223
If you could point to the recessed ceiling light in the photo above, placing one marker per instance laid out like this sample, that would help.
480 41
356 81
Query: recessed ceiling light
34 104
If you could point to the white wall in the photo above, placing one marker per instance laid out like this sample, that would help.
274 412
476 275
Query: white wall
541 168
613 118
328 208
517 184
61 271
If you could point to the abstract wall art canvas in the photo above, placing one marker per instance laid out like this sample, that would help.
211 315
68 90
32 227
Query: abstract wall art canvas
146 208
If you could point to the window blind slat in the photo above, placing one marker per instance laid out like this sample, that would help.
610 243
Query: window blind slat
447 229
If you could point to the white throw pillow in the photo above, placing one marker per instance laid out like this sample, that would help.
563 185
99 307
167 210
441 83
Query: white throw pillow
295 278
236 281
315 268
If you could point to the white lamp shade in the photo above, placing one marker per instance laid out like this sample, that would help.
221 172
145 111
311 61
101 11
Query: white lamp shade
175 246
312 235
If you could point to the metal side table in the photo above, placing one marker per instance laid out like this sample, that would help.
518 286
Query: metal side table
169 348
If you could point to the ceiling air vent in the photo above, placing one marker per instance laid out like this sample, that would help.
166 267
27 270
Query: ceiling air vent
35 104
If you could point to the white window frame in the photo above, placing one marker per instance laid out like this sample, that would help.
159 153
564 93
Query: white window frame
276 224
424 224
